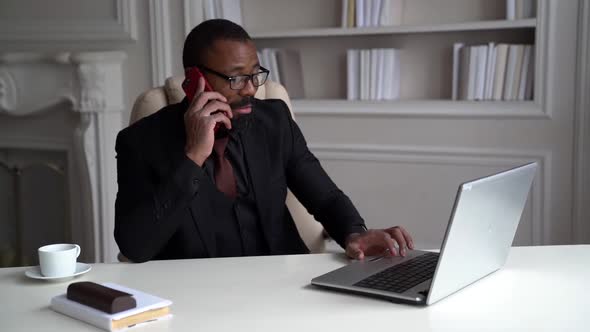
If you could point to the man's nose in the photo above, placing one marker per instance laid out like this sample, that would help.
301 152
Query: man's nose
248 90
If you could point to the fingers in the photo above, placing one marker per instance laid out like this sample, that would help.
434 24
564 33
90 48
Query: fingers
389 243
200 86
211 109
396 240
402 237
354 251
203 97
220 118
397 234
217 106
371 243
408 238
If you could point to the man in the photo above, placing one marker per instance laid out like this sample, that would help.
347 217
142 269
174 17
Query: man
189 190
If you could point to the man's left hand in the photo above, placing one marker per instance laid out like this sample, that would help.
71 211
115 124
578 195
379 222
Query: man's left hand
394 240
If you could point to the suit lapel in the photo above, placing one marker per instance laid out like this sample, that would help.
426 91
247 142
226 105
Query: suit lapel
204 223
257 156
201 215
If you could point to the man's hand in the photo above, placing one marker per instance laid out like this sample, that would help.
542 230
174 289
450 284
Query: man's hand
378 241
205 111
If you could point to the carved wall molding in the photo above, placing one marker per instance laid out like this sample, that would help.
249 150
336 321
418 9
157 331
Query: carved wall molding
88 83
121 27
85 89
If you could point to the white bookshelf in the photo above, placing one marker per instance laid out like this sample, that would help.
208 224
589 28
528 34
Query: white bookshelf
419 108
401 29
425 39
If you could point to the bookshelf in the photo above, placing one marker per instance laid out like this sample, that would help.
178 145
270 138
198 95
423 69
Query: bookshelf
401 29
425 40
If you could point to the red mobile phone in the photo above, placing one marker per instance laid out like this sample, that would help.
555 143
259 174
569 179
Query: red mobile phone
191 80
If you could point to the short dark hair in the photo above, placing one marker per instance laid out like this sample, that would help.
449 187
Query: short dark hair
205 34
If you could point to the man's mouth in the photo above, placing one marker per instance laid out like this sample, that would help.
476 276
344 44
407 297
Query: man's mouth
243 107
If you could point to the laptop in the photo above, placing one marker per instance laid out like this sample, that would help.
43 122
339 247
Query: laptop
478 238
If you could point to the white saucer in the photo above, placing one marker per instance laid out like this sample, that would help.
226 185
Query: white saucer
35 272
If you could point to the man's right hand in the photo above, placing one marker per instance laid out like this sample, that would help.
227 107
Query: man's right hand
205 111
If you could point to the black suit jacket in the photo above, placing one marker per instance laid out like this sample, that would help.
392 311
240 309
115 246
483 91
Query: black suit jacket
163 206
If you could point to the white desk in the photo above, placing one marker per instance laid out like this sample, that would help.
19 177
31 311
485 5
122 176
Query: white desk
540 288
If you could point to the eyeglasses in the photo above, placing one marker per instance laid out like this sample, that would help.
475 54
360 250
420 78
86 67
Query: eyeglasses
238 82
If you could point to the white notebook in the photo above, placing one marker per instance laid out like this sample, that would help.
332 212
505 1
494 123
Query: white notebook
102 319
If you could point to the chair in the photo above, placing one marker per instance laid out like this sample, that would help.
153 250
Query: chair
154 99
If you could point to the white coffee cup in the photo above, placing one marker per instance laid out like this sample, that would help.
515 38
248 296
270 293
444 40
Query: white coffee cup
58 260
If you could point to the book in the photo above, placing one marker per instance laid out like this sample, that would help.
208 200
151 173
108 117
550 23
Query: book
275 66
517 71
265 60
149 308
380 73
365 73
209 10
376 12
524 73
510 9
360 13
529 8
456 62
351 13
388 72
344 18
391 12
367 11
530 80
291 72
519 9
480 76
509 78
269 60
352 74
231 10
464 56
490 71
397 74
500 71
472 73
373 75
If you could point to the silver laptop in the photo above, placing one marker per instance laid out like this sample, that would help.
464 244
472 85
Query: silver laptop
478 238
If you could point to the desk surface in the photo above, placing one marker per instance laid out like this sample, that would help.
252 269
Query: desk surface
542 288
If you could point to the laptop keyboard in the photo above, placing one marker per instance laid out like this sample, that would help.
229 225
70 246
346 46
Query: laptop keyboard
399 278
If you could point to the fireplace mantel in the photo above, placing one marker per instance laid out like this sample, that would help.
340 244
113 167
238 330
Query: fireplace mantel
39 88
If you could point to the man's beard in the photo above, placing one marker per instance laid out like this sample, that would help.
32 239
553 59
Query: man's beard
241 103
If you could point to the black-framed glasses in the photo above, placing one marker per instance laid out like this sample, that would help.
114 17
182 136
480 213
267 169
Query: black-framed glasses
238 82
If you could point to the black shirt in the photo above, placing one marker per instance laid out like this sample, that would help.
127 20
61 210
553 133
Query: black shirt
245 221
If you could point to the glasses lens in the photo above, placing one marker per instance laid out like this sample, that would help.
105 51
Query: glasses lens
238 82
259 78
